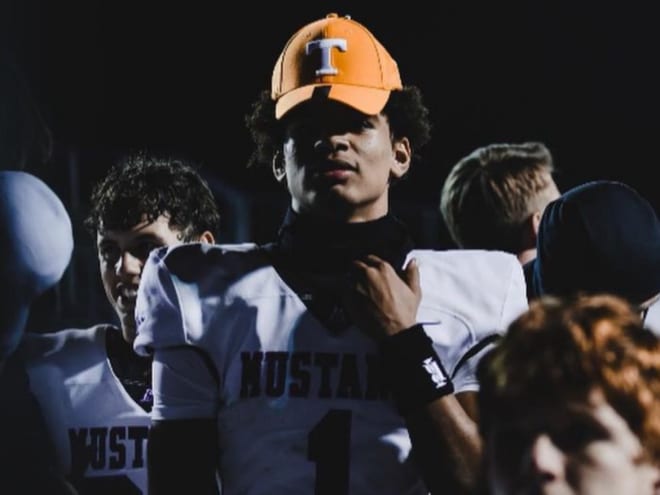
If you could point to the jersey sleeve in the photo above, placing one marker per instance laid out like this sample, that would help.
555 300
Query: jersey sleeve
469 297
157 309
183 382
184 385
179 293
180 290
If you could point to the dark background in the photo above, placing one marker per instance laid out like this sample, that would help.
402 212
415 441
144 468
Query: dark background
115 76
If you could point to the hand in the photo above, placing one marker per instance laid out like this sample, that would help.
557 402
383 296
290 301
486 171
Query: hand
386 303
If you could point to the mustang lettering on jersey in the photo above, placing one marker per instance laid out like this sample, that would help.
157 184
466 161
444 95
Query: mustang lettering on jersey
312 374
99 431
103 448
299 406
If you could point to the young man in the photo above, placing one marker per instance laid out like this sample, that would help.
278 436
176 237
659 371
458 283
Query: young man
94 390
601 236
571 401
494 197
272 364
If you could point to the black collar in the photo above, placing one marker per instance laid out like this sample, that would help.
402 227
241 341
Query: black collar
315 258
321 245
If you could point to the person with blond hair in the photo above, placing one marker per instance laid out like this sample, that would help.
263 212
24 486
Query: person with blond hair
494 197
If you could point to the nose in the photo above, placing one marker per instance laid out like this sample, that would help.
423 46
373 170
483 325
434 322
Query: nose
127 264
546 460
330 142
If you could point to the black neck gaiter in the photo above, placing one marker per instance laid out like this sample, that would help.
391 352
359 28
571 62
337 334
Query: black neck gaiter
315 258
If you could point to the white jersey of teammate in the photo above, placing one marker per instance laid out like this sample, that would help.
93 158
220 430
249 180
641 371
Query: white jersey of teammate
652 318
99 431
293 400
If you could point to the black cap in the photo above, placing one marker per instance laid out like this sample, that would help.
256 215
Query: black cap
601 236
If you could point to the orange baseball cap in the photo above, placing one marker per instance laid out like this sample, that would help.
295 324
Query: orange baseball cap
334 58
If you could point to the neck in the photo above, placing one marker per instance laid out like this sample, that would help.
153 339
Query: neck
332 244
526 255
340 212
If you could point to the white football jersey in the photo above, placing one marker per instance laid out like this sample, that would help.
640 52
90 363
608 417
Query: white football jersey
652 319
298 405
99 431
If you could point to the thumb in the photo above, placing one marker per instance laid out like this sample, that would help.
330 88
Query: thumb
411 277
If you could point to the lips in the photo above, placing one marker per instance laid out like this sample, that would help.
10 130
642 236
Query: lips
334 165
334 169
126 297
336 174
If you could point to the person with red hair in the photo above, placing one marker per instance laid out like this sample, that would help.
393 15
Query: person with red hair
570 401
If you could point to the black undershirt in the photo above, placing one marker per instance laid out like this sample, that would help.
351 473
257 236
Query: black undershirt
132 370
315 258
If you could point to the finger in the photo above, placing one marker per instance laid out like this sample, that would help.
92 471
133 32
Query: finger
371 263
360 277
384 268
362 271
361 265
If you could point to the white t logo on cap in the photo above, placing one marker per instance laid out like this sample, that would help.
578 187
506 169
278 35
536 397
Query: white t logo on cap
326 45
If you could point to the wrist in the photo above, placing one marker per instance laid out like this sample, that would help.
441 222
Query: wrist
413 369
397 328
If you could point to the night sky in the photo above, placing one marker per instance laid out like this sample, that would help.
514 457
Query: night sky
114 76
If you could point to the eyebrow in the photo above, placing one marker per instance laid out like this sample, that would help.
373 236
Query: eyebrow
573 414
140 237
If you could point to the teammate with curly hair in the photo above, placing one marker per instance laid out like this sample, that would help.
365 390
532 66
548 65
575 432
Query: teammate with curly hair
94 390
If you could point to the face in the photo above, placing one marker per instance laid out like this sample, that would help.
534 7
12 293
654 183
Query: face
122 254
577 449
338 162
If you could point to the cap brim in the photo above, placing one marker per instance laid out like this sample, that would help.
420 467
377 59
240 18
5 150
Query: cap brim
369 101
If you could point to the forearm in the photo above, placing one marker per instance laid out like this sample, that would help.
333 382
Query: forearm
446 445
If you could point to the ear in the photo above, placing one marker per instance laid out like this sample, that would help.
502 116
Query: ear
207 238
402 158
536 221
530 230
279 171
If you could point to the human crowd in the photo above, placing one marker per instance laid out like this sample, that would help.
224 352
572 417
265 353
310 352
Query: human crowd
339 358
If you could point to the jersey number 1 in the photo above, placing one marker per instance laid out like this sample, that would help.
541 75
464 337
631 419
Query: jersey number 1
328 445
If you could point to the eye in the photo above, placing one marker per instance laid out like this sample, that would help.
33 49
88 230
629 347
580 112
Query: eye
109 253
367 124
510 444
142 249
354 122
577 434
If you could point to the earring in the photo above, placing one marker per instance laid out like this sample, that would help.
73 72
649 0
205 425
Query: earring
278 166
277 159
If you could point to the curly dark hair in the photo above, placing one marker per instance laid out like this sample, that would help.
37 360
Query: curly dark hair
140 185
405 110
